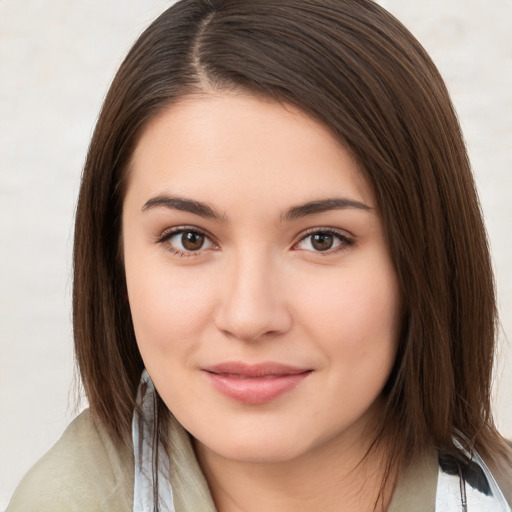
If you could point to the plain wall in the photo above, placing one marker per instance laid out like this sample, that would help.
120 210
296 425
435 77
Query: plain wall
56 61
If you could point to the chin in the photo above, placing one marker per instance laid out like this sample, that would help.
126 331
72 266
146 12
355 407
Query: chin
251 453
261 445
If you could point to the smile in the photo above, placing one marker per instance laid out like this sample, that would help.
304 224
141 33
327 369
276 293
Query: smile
255 384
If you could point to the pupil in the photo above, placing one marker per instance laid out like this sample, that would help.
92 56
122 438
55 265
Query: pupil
192 241
322 241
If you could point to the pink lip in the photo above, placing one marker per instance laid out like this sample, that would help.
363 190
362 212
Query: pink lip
255 384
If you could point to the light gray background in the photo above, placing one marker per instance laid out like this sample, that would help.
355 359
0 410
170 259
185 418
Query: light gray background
56 61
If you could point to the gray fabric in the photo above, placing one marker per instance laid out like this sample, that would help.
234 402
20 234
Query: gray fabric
85 471
416 488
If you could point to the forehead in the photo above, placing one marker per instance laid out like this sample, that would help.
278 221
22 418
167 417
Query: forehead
214 143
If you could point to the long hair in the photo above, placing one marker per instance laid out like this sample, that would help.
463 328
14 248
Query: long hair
355 68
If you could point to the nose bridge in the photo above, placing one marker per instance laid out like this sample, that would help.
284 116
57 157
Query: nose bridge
252 300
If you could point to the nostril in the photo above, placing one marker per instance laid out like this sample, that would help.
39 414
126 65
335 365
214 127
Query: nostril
255 323
251 303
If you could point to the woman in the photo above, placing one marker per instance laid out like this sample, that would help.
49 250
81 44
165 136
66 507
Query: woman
278 230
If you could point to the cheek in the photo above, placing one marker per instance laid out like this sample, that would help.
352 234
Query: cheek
359 304
355 317
167 306
357 327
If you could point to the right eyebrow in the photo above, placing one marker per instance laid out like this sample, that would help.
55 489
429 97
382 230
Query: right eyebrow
185 205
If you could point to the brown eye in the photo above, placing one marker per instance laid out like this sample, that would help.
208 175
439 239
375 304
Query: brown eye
322 241
325 241
186 242
192 241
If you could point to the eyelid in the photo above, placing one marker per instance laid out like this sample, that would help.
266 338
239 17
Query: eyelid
346 239
168 233
178 229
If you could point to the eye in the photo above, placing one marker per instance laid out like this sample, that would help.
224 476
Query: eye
184 241
324 241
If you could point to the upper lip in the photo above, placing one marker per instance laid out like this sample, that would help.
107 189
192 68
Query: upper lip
236 368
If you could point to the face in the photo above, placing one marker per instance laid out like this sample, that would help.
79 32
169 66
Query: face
264 301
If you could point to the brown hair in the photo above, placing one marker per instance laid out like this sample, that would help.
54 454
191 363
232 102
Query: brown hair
354 67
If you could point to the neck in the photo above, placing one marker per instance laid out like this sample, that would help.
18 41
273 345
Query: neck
341 475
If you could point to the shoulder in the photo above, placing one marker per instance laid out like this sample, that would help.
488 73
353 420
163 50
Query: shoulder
86 470
417 484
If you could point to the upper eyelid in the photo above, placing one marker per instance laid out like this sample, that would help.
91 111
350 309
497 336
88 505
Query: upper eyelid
345 239
335 231
181 229
168 233
164 239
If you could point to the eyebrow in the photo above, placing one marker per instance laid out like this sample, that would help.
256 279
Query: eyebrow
184 205
323 205
295 212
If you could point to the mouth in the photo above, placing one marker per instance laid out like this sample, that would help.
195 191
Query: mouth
255 384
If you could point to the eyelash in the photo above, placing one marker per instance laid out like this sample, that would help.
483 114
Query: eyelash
344 240
167 235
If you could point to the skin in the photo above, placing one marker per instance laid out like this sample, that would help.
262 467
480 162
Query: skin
258 289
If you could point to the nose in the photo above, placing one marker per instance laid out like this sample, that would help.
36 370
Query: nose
253 303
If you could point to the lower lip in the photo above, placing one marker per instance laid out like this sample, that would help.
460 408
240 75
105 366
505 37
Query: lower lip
255 390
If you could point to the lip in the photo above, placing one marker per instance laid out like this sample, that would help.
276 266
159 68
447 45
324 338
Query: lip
255 384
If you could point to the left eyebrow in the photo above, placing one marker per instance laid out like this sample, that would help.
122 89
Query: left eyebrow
323 205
